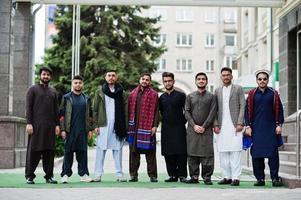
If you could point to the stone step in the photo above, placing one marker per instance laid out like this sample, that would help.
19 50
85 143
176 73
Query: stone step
288 156
288 167
289 146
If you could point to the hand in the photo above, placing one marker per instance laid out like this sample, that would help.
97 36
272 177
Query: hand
199 129
239 128
278 130
90 134
154 131
64 134
29 129
57 130
97 131
248 131
216 130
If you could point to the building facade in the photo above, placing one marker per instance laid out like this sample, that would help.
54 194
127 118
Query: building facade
197 39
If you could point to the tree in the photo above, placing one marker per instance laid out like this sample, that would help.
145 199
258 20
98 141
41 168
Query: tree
112 37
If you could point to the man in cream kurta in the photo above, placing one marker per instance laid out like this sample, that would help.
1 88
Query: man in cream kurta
110 125
228 128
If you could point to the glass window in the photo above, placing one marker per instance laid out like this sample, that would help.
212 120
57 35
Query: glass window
184 39
184 15
209 40
230 40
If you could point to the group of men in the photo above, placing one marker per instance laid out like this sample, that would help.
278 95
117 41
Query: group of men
117 117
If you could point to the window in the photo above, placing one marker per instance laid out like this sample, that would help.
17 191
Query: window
161 64
209 40
210 88
184 65
230 16
230 61
230 40
184 15
209 65
160 40
159 12
210 15
184 39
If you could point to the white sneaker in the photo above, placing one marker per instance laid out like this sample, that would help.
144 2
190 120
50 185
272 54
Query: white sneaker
121 179
86 178
64 179
97 179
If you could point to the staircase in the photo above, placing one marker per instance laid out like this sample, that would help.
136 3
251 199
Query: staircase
287 154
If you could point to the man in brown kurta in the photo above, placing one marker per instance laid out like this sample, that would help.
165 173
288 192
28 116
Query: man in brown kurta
42 125
200 111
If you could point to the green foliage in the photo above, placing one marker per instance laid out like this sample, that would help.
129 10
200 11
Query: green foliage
112 37
59 146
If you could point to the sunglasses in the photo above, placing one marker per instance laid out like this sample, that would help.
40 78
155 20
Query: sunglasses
262 79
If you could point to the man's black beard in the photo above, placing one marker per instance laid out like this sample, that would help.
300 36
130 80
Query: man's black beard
170 89
202 88
79 91
45 82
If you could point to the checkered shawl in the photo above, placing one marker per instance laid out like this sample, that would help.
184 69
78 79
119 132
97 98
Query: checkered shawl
148 105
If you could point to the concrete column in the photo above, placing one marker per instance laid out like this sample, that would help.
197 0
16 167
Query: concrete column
15 78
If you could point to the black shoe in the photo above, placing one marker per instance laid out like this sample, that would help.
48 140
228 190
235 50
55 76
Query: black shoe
51 181
259 183
277 183
208 182
29 181
182 179
224 181
192 181
235 182
171 179
153 179
134 179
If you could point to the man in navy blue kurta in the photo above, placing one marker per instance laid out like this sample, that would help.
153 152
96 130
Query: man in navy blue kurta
264 117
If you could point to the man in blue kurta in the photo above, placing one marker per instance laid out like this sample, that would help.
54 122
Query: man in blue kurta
264 118
76 126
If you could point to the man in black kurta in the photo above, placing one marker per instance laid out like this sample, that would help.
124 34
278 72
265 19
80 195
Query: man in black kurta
173 131
42 125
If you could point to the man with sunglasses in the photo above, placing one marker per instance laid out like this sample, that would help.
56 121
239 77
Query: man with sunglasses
263 119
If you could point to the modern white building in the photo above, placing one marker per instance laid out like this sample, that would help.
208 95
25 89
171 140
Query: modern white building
198 39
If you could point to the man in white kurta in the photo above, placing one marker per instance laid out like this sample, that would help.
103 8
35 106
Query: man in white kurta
106 129
229 126
107 139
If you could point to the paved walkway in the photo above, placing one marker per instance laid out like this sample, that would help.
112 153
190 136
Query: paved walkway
141 193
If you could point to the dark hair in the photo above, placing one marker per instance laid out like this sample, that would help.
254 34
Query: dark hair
262 73
168 74
201 74
227 69
111 70
78 77
146 74
45 69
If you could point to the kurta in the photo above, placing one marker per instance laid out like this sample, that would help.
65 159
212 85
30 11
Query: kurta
265 143
107 139
228 139
42 113
77 138
200 109
173 130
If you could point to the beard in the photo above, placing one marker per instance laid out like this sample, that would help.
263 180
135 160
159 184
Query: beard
45 81
201 87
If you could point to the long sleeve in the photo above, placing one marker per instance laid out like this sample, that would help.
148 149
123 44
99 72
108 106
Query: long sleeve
157 115
29 105
95 108
246 116
188 112
212 113
90 120
242 104
62 114
56 110
281 115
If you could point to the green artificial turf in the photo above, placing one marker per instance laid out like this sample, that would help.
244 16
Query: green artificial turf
9 180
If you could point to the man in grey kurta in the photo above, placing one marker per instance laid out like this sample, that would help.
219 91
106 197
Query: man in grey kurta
200 111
